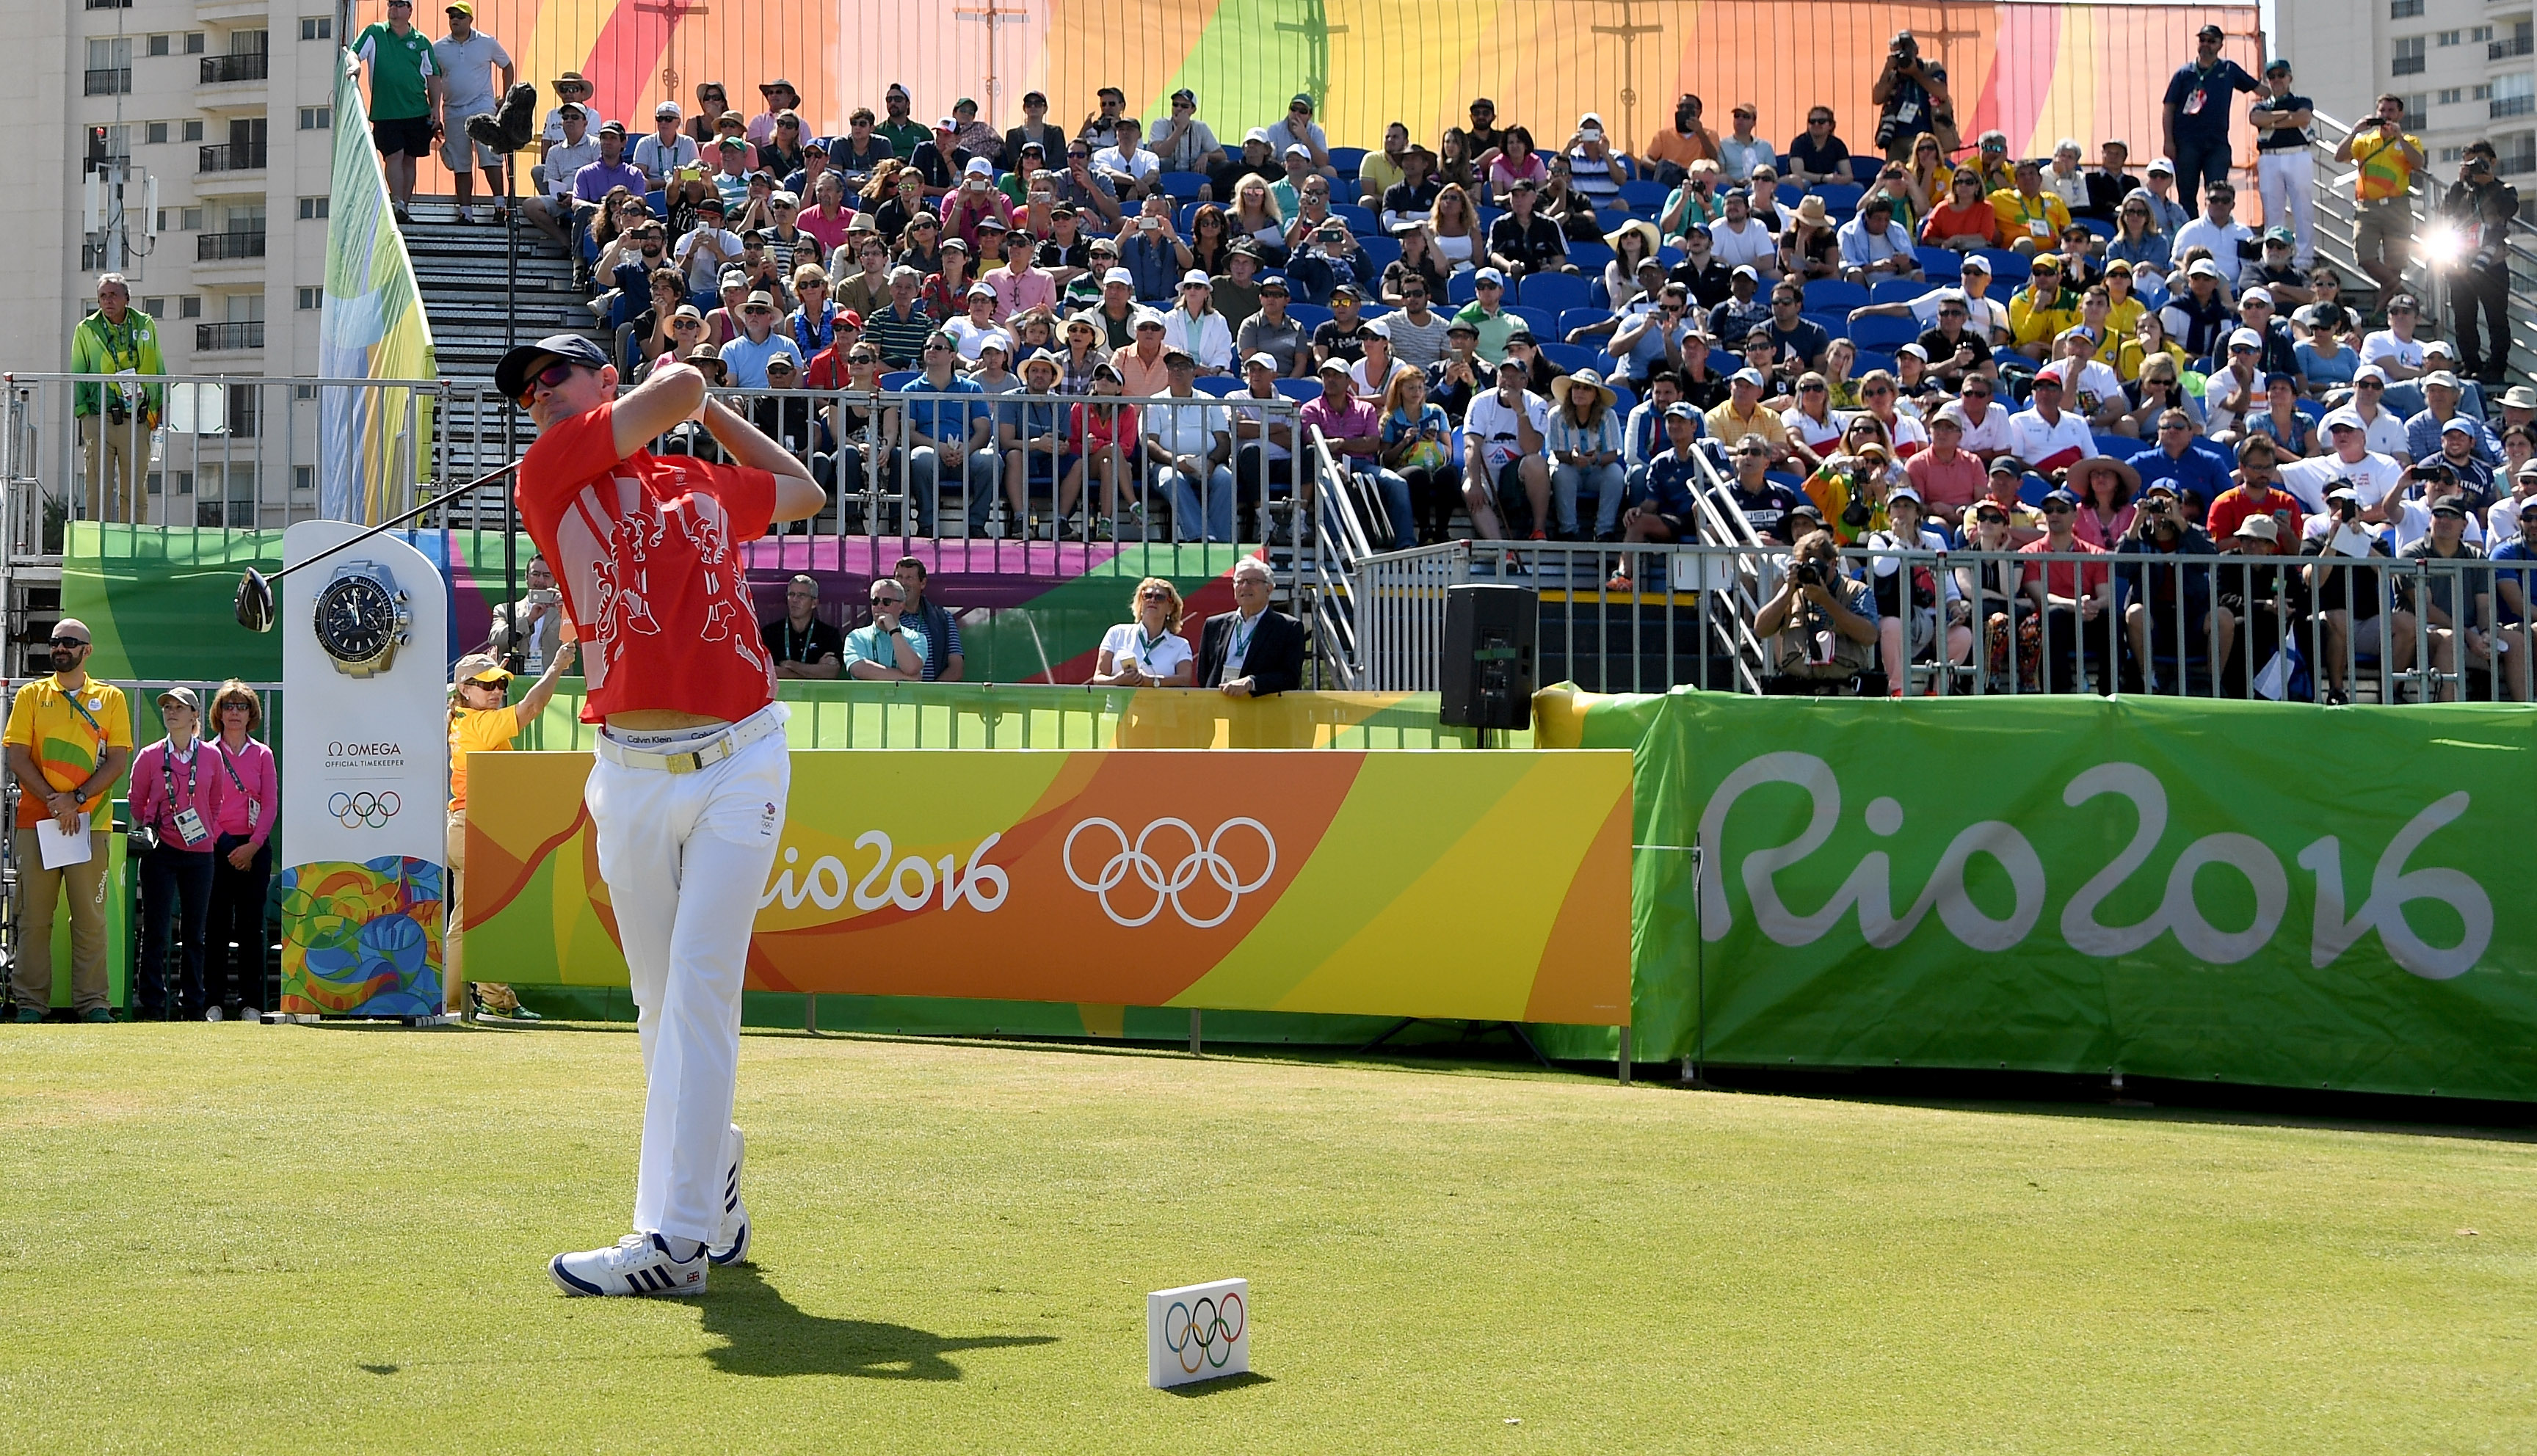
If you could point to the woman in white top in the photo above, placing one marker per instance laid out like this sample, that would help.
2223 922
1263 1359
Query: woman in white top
1457 227
1254 216
969 332
1194 326
1149 652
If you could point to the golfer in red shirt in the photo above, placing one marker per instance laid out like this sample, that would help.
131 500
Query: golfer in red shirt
688 795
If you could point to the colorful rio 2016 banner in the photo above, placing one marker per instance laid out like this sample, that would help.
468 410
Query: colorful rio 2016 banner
2249 891
1490 886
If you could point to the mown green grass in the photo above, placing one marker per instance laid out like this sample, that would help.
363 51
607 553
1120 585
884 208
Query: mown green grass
222 1238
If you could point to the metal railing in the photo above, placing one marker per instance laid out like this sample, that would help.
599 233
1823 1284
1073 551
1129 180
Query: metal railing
229 157
109 81
246 334
2307 628
247 65
213 246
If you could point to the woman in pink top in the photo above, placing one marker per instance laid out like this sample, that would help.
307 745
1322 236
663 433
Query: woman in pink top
242 856
177 793
1516 162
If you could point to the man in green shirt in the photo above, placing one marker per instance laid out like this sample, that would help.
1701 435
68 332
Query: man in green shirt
404 97
903 132
115 420
889 650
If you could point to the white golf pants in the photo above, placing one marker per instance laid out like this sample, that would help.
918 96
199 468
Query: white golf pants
2287 182
685 857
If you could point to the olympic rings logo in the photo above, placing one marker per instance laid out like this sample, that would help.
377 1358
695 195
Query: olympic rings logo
1204 1335
1203 857
363 809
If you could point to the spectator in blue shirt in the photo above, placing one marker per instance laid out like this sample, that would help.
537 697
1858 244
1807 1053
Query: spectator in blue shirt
2200 96
2441 393
2175 460
948 435
746 358
1800 337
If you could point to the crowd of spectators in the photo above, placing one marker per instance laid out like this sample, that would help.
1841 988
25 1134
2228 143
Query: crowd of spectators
1558 341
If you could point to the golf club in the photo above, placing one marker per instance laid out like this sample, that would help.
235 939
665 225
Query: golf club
254 600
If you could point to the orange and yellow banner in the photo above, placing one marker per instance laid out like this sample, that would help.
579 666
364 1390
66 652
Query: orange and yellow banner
1485 886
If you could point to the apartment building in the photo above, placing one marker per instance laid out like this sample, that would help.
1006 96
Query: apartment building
2466 68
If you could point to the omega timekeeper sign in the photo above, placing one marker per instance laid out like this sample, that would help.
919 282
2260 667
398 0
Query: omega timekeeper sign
362 619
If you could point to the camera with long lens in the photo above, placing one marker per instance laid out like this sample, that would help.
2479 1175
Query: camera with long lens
1807 573
1856 515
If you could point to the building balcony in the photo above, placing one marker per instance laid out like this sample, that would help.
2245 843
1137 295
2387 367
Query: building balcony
218 247
2500 106
2516 46
113 82
222 70
230 157
225 11
216 338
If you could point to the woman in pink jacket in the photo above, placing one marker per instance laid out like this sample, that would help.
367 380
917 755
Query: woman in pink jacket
177 793
242 856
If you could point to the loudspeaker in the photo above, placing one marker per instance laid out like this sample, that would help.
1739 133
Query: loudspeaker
1486 672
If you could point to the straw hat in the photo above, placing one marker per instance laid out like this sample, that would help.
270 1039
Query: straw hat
1646 230
1559 388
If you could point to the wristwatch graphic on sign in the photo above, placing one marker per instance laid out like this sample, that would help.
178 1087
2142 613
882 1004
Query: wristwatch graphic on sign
362 619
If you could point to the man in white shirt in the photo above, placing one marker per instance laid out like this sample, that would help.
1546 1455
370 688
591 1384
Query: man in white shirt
1740 239
1873 246
704 251
2044 435
551 210
1502 455
1982 311
2393 349
2221 232
1188 449
1986 420
2373 477
1132 172
2089 384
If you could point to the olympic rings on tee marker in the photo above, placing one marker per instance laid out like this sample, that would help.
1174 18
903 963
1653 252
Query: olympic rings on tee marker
1202 858
1204 1335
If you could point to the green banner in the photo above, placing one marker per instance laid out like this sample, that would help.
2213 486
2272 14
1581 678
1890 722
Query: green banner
2246 892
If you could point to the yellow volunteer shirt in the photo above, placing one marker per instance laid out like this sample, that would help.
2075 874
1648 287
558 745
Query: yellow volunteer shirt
476 731
68 733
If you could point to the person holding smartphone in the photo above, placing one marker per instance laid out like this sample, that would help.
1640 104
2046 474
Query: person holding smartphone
526 632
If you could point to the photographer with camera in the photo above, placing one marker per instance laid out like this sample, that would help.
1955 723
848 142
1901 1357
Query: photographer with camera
2481 206
2386 160
1821 624
1911 99
526 632
114 420
2352 601
2170 605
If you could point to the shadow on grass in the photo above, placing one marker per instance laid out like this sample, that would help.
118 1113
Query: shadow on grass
1243 1381
770 1336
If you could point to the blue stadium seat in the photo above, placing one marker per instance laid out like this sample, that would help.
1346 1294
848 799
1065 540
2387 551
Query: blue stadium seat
1384 251
1300 388
1183 186
1346 160
1637 195
1668 255
657 203
1608 366
1460 289
1188 217
1540 320
1833 294
1870 359
1899 289
2314 409
1596 296
2007 267
1568 358
2031 489
1624 398
1835 324
897 378
1876 331
1589 258
1360 220
1839 195
1489 218
2120 447
1552 291
1310 316
1941 265
2097 226
1573 319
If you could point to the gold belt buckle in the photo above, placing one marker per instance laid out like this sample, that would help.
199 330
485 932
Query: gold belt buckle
682 763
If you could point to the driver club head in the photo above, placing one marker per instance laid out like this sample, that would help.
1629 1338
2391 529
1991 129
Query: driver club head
255 602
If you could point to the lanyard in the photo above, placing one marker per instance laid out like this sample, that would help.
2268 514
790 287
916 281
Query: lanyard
77 707
1239 650
232 768
121 351
167 770
1146 645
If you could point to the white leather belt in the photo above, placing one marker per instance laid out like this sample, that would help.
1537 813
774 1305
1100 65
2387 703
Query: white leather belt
712 751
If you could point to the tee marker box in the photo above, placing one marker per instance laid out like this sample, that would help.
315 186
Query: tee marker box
1197 1332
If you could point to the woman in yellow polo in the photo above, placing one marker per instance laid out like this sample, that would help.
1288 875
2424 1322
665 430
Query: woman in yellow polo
483 720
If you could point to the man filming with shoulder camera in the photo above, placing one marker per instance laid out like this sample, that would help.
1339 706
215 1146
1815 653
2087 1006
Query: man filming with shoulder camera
1821 623
1912 99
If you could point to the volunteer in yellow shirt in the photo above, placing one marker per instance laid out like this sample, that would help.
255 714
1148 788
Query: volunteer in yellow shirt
481 720
2031 219
69 739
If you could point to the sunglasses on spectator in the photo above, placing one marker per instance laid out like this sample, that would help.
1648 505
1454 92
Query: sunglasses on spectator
678 324
1072 152
1153 596
1951 313
2368 384
2054 508
70 642
937 349
1991 517
758 309
1810 389
1977 394
863 359
2174 426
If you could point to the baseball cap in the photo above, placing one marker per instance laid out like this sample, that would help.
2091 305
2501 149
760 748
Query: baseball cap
665 108
511 375
1977 263
2261 528
2257 295
1274 282
979 167
2280 236
2154 488
1458 325
2203 267
2007 465
2458 424
1298 148
475 666
1338 365
1197 278
1681 409
2447 505
1905 492
1263 360
607 127
1146 319
2246 338
1118 275
2440 378
1488 275
1752 377
2159 164
2340 419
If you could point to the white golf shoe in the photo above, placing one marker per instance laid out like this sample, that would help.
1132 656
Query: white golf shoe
637 1264
730 1243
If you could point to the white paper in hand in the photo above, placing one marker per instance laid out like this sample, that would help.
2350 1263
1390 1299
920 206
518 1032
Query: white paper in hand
60 848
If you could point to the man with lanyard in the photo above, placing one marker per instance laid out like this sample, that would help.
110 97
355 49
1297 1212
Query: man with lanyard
115 420
69 739
2196 113
1251 652
2384 159
688 793
941 626
801 645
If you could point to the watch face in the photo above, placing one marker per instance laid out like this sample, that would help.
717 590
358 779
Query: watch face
355 620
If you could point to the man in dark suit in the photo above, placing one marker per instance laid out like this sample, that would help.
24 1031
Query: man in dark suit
1251 652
